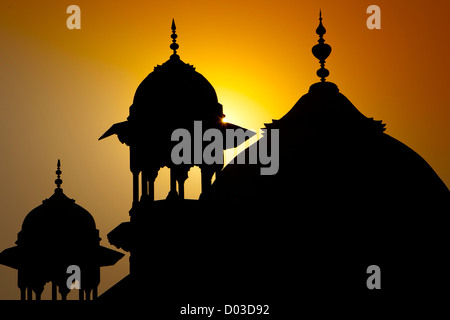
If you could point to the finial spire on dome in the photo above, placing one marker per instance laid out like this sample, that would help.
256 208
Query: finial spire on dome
322 50
174 45
58 172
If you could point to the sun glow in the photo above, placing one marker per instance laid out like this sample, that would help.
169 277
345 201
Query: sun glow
241 110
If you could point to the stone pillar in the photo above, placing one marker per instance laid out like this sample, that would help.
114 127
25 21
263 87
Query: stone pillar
218 185
38 291
181 189
63 290
181 173
173 195
144 182
88 294
135 188
207 173
54 292
151 182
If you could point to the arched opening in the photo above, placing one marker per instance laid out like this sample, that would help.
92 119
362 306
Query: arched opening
192 186
162 183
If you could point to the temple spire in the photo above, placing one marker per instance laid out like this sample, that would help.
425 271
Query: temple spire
58 172
174 45
322 50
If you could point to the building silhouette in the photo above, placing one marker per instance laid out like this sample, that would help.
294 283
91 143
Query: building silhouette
55 235
346 196
173 96
330 151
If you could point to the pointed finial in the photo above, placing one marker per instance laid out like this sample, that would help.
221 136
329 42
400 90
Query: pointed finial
322 50
174 45
58 181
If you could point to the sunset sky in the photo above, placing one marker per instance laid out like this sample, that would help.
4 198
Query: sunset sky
62 89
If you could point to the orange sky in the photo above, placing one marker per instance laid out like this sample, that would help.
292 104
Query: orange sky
61 89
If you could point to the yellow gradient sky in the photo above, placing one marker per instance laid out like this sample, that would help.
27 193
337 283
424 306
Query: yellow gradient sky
61 89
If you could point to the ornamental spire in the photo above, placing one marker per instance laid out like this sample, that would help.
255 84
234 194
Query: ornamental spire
322 50
174 45
58 180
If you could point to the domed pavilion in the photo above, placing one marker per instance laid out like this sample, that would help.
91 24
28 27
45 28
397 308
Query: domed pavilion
55 235
173 96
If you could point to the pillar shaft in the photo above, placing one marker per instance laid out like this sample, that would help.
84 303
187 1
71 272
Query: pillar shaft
207 174
54 292
144 182
151 190
173 181
135 188
88 294
173 195
152 174
181 189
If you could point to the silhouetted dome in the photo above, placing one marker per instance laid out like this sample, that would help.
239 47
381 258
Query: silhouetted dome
58 215
333 157
323 106
175 90
328 150
55 235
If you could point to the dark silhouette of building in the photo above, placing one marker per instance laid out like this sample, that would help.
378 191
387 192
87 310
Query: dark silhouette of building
173 96
346 196
330 151
55 235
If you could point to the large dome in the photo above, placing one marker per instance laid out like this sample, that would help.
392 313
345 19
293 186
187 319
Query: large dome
175 91
173 96
330 151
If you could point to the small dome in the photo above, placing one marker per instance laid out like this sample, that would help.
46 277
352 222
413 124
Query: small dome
60 217
175 92
56 211
55 235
